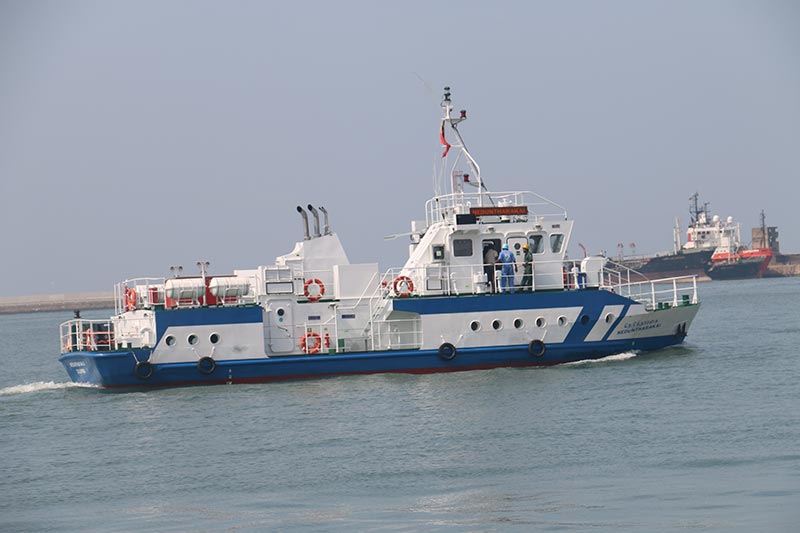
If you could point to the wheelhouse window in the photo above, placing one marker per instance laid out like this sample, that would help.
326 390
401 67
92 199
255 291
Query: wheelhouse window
537 244
462 247
556 242
438 252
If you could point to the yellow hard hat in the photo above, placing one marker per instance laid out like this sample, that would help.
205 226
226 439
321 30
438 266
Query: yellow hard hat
525 246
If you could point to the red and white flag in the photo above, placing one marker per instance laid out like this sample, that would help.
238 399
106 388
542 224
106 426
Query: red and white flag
444 141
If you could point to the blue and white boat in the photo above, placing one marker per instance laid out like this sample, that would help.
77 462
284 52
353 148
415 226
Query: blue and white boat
314 314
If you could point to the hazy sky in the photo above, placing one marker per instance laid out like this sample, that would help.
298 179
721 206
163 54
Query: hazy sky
139 135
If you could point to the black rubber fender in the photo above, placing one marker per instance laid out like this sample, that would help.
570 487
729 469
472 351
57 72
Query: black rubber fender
536 348
143 370
206 365
447 351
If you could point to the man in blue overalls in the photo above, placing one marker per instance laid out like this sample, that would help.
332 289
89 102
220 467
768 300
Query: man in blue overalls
506 258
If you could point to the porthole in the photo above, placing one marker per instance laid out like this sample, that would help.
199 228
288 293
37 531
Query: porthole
562 321
518 323
213 338
475 325
584 320
192 339
609 318
541 322
169 340
281 311
496 324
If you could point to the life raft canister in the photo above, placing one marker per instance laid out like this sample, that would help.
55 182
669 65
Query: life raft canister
311 342
403 286
313 297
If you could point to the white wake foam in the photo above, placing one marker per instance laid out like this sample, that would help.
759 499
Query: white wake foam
40 386
608 359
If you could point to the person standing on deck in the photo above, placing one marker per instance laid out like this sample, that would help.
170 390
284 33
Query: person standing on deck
506 258
489 260
527 268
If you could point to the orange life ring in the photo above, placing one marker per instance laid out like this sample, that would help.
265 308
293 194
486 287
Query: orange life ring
314 297
408 284
130 299
311 347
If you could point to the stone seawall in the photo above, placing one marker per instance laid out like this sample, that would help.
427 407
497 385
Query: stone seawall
57 302
784 265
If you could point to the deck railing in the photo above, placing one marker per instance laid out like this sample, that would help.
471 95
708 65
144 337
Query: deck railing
149 293
479 278
86 335
661 293
447 206
139 293
337 336
652 293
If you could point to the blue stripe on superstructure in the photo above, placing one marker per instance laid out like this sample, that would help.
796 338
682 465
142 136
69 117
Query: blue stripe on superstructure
206 316
593 310
507 302
616 323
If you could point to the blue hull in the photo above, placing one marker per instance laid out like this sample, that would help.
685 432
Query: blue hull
119 369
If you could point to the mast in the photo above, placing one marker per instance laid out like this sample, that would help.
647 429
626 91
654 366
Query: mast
453 122
694 209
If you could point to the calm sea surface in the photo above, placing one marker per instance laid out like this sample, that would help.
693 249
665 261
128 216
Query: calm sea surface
701 437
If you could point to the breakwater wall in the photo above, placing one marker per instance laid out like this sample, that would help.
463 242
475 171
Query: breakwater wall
57 302
784 265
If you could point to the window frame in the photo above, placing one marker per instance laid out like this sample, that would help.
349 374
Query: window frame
561 238
456 248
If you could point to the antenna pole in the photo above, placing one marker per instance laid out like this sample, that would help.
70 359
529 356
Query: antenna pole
694 209
447 106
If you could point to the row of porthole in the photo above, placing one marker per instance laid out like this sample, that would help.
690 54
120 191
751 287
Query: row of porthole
474 326
540 322
518 323
496 324
192 339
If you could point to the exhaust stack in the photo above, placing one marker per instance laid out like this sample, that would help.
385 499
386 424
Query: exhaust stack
327 229
316 220
305 223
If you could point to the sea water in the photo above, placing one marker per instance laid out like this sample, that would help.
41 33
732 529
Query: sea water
705 436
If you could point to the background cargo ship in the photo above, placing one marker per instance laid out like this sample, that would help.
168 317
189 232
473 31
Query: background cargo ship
693 257
713 249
